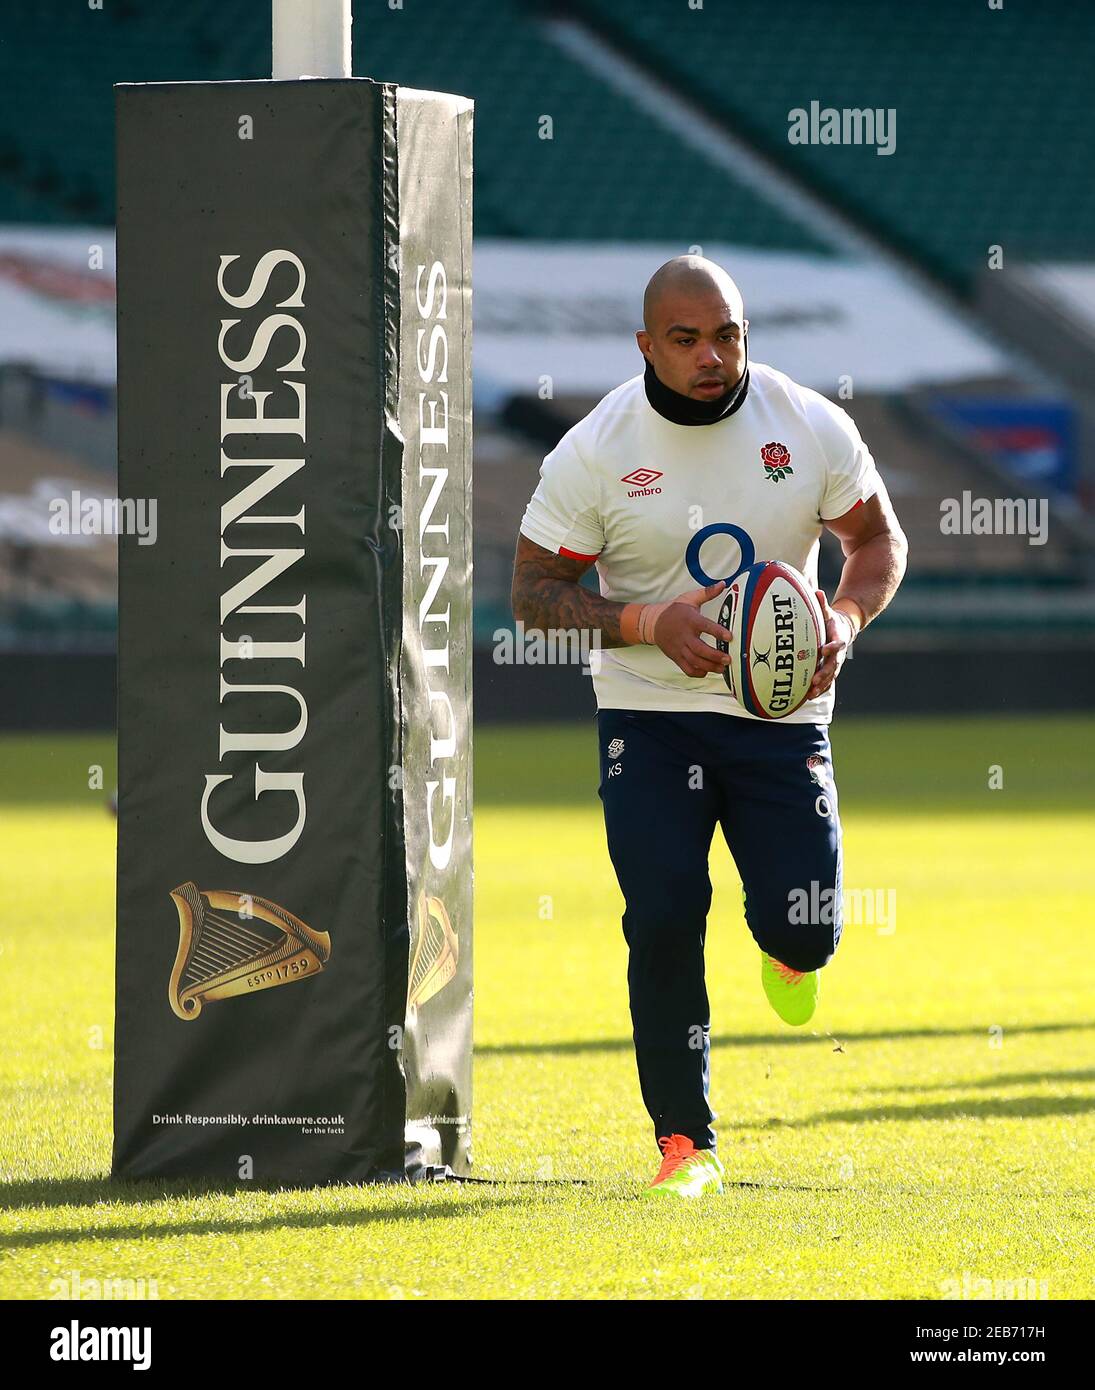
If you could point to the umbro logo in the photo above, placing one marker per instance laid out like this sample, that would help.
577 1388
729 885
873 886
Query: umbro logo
641 480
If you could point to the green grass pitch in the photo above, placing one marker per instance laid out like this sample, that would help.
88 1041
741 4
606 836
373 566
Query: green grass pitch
932 1127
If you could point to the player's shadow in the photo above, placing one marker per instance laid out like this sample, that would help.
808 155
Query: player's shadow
91 1192
799 1038
999 1108
991 1082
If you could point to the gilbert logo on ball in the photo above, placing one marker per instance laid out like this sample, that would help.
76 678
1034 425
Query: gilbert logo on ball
773 613
776 458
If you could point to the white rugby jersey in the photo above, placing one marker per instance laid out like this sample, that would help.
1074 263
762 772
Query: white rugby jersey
665 508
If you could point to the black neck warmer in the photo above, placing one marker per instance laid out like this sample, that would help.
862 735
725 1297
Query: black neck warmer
685 410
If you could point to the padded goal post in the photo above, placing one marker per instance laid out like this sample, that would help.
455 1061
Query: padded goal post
294 710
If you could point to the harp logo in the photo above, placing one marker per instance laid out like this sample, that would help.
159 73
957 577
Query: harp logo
236 943
436 952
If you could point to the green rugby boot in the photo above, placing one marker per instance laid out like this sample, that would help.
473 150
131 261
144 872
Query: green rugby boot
792 993
686 1171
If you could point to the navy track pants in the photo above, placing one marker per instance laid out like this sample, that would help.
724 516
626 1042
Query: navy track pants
667 780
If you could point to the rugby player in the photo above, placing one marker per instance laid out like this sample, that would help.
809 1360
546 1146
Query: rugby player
676 481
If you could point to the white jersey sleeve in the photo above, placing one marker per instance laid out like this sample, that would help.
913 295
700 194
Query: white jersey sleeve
564 514
851 475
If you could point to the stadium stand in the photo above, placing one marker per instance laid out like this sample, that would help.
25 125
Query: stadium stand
53 590
609 170
979 94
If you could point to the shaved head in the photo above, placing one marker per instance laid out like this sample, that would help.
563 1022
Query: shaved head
688 277
694 333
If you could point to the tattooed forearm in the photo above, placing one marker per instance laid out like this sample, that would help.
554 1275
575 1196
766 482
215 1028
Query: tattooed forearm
547 594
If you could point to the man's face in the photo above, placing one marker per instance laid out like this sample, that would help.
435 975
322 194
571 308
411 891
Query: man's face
696 344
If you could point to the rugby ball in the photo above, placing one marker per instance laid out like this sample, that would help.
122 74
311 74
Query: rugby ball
778 632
